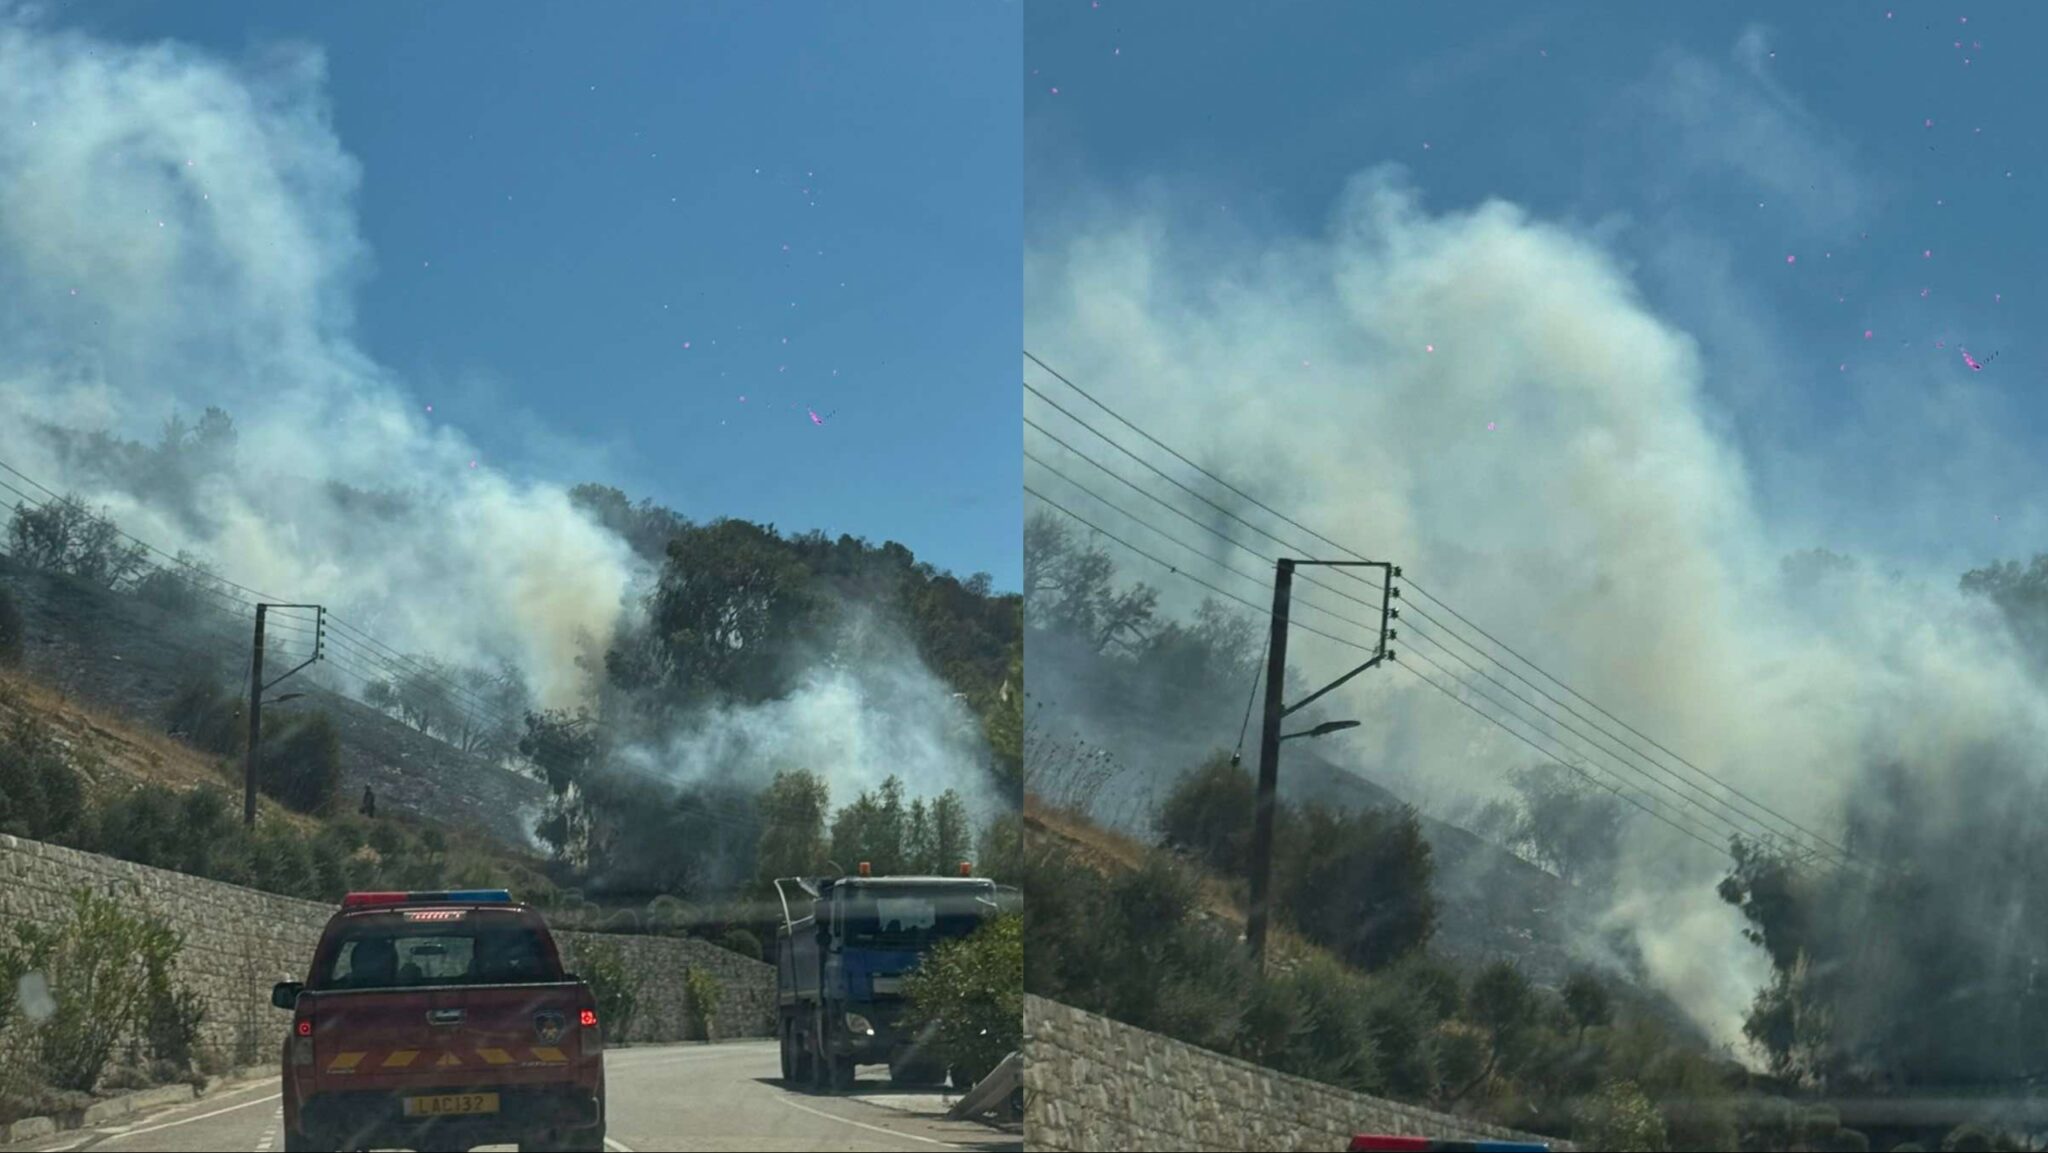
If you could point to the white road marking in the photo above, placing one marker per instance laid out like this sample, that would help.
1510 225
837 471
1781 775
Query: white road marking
863 1125
617 1146
189 1120
269 1140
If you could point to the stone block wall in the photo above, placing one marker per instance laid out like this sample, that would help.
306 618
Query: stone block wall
1094 1083
239 942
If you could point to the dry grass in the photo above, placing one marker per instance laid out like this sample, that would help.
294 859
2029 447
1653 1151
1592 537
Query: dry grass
114 753
1108 852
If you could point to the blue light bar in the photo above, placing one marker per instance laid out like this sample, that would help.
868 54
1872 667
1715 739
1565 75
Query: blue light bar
474 896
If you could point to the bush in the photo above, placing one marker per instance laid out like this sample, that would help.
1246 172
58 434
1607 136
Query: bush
301 768
1621 1118
41 797
64 536
701 993
612 984
171 1015
98 974
13 631
970 993
209 717
742 942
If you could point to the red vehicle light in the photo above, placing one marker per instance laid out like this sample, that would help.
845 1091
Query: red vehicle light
364 900
305 1027
589 1018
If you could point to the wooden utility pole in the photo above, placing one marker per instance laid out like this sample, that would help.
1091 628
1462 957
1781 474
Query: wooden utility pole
255 722
1269 763
257 688
1270 736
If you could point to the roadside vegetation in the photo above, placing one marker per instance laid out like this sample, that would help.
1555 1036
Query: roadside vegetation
89 1004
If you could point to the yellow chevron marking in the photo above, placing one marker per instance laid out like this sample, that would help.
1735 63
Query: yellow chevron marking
551 1055
345 1061
400 1058
447 1060
495 1056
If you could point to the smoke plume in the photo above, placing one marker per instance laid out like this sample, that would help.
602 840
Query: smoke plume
1486 399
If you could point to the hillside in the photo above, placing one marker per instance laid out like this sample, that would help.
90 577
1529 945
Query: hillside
124 658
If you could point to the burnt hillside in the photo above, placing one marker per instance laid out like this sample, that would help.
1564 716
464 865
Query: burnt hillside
130 656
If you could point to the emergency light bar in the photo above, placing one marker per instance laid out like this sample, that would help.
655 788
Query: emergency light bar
455 897
1374 1143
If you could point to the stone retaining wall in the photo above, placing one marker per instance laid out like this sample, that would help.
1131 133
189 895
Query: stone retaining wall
239 942
1093 1083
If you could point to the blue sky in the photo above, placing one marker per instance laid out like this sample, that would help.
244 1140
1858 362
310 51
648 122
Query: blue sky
576 222
1701 145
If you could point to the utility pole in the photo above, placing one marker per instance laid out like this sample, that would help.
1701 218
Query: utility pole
256 690
1269 762
255 722
1277 710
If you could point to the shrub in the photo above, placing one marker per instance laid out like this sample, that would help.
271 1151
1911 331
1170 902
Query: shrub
970 993
302 766
98 977
13 631
612 983
171 1015
40 793
64 536
701 992
209 717
742 942
1619 1117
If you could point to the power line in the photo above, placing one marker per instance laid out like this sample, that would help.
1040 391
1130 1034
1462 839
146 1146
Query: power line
1490 719
1170 567
1284 518
1682 798
1179 512
1623 761
1128 515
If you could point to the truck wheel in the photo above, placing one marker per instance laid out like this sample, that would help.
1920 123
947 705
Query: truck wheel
788 1056
843 1074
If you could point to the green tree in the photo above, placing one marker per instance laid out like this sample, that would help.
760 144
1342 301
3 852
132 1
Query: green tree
874 829
1619 1117
1208 816
971 992
301 765
1359 883
65 536
13 630
41 795
793 809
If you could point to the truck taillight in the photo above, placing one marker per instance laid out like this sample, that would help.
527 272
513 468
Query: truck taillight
305 1026
302 1041
589 1018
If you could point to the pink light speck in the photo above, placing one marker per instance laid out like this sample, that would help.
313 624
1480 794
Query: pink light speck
1866 334
472 464
815 418
1489 426
1923 294
1929 123
686 344
1791 259
1429 348
1971 360
1926 253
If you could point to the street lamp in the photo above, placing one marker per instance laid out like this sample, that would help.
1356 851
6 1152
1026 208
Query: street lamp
1322 730
1277 709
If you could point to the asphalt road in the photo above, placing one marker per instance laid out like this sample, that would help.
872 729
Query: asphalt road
681 1097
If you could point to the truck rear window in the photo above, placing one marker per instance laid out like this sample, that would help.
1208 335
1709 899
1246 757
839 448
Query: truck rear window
398 956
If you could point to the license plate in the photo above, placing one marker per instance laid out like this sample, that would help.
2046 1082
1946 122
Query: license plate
451 1104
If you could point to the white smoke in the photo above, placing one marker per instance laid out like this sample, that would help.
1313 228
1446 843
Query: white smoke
176 232
179 231
1486 399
